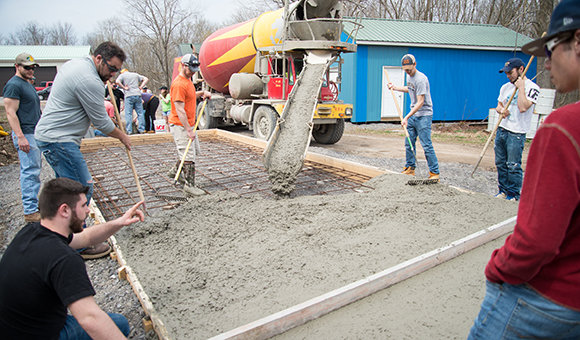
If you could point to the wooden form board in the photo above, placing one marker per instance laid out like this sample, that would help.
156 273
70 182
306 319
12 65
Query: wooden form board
300 314
157 323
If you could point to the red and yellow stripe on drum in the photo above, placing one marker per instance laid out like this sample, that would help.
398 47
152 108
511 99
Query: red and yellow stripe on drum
233 49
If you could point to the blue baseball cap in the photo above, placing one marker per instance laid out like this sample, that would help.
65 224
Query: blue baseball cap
566 17
191 61
511 64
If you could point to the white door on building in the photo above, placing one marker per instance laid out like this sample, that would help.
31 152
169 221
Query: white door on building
397 77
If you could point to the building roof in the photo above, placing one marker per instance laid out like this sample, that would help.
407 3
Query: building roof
43 52
436 34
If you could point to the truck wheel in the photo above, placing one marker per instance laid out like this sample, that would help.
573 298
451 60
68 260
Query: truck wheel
206 121
328 133
264 122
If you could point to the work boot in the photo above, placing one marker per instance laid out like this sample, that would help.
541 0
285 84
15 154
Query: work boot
171 173
189 173
96 252
30 218
409 170
433 176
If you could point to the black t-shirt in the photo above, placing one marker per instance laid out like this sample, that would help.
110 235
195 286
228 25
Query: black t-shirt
28 112
40 275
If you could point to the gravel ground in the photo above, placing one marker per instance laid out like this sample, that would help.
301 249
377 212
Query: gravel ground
116 296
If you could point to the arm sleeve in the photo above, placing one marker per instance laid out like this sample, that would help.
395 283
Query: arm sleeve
70 280
532 92
89 95
550 196
12 91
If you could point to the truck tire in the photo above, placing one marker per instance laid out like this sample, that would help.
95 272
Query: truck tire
328 133
207 121
264 122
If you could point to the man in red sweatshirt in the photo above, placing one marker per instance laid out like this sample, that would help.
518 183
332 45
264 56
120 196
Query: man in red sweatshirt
533 281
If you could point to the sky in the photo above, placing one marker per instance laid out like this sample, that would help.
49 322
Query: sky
84 15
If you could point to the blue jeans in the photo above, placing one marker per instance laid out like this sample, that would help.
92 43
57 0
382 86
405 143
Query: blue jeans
421 127
30 166
67 161
518 312
134 102
509 147
100 134
72 329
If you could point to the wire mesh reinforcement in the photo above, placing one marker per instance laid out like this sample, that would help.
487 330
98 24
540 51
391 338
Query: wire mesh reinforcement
223 165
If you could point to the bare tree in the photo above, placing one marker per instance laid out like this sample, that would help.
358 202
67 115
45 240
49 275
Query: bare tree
107 30
31 33
61 34
154 23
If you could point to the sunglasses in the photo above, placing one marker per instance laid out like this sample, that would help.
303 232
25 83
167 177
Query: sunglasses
28 68
551 44
111 68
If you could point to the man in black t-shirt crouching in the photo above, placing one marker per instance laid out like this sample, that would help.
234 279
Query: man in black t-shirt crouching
43 274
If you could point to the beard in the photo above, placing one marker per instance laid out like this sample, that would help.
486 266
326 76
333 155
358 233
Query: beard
76 224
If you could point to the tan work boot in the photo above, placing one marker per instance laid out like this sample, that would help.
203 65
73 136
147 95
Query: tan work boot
96 252
30 218
433 176
409 170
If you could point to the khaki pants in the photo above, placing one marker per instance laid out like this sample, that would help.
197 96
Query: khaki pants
181 140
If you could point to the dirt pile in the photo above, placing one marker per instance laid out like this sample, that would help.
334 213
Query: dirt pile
221 261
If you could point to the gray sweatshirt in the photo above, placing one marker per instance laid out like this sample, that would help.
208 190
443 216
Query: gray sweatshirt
76 100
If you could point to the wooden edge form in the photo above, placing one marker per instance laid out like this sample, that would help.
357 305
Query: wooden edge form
300 314
146 303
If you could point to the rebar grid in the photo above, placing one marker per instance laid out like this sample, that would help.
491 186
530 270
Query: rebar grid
223 165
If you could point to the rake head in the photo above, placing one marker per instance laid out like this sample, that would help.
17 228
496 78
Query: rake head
422 181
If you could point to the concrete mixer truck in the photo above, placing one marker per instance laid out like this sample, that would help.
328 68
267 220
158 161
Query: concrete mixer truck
253 66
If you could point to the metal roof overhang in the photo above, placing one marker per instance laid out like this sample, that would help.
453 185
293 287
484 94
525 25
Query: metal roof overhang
462 47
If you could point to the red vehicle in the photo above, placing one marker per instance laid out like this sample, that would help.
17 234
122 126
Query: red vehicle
43 84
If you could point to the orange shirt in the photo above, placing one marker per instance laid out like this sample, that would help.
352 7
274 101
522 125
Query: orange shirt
182 90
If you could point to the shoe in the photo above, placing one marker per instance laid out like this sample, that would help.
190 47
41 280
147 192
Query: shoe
30 218
501 195
96 252
511 198
409 170
433 176
151 131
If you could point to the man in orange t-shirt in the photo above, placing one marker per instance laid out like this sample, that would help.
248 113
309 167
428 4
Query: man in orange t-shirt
182 117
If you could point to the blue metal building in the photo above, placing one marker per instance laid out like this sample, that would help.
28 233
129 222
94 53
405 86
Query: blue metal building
461 61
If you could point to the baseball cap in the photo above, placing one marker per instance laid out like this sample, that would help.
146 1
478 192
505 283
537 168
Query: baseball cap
25 59
191 61
163 87
408 59
511 64
566 17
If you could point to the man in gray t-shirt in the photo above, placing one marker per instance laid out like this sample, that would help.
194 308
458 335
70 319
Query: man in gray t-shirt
129 82
76 100
419 119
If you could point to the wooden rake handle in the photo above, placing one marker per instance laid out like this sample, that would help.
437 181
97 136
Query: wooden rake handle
129 156
399 111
